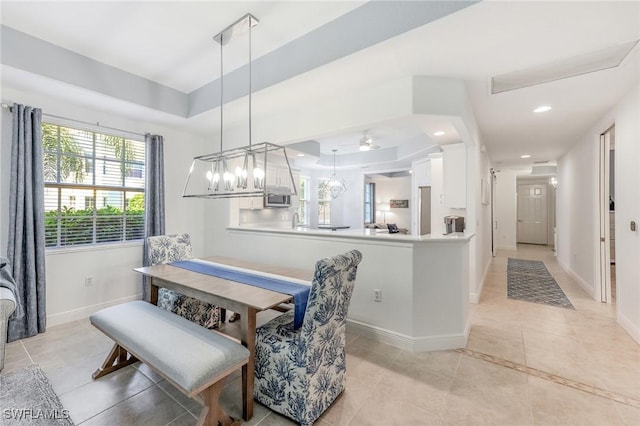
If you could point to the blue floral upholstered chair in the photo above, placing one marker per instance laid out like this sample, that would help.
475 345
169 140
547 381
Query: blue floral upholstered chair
299 373
170 248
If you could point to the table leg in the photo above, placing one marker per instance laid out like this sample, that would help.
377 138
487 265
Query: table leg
248 339
153 292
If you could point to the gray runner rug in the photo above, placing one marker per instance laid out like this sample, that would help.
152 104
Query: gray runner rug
530 280
27 398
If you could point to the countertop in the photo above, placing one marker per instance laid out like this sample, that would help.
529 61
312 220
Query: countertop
364 233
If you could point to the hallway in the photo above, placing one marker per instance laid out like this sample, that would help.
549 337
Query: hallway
585 345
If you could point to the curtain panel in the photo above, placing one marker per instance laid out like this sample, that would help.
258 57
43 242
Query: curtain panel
153 197
26 243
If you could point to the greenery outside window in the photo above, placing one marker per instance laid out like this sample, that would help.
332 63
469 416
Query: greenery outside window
303 208
94 187
369 202
324 204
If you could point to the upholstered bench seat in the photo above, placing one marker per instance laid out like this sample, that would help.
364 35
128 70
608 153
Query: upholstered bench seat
194 359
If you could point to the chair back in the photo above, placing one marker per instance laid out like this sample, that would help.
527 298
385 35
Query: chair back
330 295
168 248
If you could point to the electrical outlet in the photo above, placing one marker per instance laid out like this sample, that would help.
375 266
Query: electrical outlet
88 281
377 295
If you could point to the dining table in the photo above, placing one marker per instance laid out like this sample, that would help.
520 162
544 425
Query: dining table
244 299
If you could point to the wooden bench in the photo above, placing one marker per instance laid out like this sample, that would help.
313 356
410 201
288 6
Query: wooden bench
192 358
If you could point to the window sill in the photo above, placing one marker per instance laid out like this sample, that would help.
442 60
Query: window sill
93 247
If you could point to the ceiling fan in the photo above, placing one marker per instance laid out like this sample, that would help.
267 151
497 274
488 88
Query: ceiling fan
366 143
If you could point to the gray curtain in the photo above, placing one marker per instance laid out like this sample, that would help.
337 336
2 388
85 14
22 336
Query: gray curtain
25 247
153 195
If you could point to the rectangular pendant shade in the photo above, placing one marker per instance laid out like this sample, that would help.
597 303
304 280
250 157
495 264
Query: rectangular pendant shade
260 170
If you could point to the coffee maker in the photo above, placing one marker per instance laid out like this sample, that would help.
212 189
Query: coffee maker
453 224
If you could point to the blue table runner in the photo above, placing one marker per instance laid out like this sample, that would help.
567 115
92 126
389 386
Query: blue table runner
299 292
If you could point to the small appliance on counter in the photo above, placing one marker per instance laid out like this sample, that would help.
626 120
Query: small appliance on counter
453 224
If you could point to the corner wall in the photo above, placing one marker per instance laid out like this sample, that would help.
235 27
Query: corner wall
505 210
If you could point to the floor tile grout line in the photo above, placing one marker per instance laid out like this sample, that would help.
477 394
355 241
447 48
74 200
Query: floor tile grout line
554 378
27 352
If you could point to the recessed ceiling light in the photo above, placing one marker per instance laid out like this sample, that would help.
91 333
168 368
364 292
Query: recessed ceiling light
543 108
300 155
438 133
525 156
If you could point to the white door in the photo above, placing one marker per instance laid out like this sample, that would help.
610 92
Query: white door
532 214
603 193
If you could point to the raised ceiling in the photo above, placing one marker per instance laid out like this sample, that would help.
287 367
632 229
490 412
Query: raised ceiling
170 43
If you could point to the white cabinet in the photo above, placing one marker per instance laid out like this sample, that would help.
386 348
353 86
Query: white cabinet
454 175
278 176
251 203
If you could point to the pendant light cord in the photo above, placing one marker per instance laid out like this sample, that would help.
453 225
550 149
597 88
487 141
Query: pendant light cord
250 74
221 88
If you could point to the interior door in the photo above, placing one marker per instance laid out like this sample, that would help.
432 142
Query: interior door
604 243
532 214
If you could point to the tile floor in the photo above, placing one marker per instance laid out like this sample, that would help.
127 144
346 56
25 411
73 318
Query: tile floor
525 364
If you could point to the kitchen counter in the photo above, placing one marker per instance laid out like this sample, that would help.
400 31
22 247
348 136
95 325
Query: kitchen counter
421 282
364 233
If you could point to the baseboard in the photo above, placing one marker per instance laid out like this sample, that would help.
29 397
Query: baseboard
629 326
514 248
581 282
412 344
475 297
85 312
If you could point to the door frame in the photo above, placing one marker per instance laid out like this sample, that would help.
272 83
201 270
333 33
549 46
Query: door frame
603 237
543 181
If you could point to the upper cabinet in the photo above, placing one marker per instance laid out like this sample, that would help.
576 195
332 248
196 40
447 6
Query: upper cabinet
454 175
278 176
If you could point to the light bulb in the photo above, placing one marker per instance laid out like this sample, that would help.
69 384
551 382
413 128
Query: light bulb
364 147
258 173
216 177
209 175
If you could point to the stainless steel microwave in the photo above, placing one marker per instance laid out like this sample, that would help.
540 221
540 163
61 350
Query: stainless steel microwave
277 201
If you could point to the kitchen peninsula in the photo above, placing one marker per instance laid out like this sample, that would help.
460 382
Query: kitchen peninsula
411 291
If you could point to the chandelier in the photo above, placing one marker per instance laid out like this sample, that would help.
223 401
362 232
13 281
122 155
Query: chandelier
260 169
334 185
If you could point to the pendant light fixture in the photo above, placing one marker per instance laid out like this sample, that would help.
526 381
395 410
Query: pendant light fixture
248 171
334 185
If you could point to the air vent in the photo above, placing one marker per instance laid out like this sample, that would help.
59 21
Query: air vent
603 59
541 162
543 170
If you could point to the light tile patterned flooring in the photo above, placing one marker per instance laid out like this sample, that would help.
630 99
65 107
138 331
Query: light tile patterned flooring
525 364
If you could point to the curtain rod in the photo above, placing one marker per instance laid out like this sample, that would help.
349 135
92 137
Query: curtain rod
97 123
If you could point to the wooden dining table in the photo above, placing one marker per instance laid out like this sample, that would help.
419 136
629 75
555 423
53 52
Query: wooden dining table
247 300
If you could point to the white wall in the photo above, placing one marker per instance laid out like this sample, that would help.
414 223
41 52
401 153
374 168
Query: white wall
111 266
627 181
483 227
505 210
577 213
396 188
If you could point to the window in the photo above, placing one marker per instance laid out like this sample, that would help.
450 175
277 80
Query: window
324 205
82 205
369 202
303 209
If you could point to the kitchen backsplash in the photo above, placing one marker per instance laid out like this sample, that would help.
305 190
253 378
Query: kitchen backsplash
272 218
